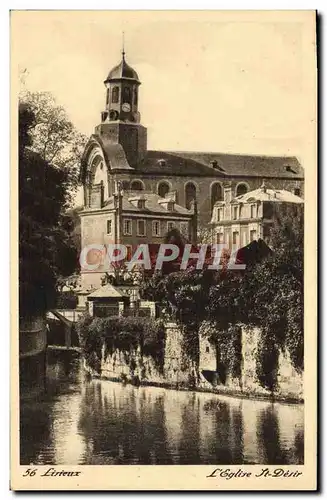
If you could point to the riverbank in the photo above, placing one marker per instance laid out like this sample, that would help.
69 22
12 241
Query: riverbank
220 391
84 421
166 361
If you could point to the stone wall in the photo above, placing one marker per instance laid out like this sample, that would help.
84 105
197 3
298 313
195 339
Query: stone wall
179 371
135 367
177 367
289 381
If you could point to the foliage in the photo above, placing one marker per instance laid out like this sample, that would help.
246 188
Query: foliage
229 348
183 296
45 247
53 136
267 360
267 294
66 300
204 234
273 296
121 333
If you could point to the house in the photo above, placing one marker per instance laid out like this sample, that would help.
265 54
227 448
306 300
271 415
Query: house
132 218
238 221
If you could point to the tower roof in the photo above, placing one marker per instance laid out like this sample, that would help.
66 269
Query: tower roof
122 71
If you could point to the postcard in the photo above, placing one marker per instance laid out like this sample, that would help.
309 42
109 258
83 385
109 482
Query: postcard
163 250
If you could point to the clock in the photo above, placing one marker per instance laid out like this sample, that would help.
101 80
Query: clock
126 107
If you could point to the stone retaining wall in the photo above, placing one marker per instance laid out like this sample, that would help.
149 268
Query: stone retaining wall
179 371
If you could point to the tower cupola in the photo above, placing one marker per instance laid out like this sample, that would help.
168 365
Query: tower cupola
122 85
120 121
122 71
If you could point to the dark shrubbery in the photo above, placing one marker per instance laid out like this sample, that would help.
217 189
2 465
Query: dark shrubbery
66 300
122 333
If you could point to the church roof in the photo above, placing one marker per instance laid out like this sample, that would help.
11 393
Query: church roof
122 71
199 164
220 164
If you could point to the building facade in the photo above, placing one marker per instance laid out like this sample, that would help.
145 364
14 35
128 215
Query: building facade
237 221
132 218
117 155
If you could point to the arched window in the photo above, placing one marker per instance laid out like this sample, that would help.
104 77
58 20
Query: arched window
216 193
115 94
163 189
190 194
107 98
135 96
127 95
137 186
241 189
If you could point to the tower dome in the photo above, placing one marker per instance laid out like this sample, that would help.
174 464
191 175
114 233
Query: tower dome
122 71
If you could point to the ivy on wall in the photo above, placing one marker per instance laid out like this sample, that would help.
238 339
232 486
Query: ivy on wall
126 334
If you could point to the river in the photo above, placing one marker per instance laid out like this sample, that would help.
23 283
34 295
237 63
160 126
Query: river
97 422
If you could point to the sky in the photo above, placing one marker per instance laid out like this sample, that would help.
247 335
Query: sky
211 81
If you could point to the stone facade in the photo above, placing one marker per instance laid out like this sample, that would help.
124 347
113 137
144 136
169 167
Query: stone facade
237 221
130 219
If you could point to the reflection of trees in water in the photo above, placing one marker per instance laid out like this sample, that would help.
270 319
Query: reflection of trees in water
227 447
268 437
236 435
124 425
36 417
270 442
188 446
36 433
63 371
128 425
299 447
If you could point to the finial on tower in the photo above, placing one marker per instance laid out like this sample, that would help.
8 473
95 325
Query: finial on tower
123 45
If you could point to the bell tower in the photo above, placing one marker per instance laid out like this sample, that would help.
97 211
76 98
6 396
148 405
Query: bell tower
120 121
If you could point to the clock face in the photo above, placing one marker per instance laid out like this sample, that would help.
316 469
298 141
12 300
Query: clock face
126 107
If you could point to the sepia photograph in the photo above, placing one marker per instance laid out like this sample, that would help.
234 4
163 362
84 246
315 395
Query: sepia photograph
164 185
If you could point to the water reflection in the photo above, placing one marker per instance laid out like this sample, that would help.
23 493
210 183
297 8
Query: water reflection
101 422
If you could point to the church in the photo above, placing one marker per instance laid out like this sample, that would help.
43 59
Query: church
116 160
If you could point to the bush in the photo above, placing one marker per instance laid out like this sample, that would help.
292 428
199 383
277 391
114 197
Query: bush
121 333
66 300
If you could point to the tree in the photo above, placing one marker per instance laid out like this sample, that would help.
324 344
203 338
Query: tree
267 294
273 291
53 136
46 249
